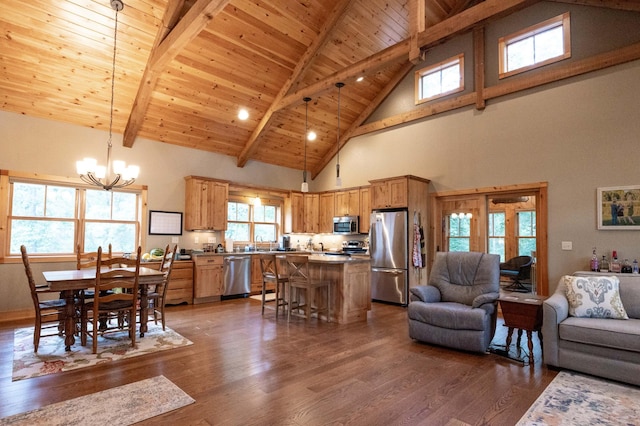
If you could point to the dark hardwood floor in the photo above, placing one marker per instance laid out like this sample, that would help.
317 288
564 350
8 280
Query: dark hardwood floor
246 369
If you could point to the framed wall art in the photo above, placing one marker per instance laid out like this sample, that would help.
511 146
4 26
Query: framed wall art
165 223
619 208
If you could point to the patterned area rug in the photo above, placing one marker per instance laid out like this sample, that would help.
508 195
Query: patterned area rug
52 358
136 402
574 399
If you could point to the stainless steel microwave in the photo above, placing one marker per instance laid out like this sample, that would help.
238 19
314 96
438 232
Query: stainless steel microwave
346 225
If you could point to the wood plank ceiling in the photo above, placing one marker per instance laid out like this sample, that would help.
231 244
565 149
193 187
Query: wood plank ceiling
185 67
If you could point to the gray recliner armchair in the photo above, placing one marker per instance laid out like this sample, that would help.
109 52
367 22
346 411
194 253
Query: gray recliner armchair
458 308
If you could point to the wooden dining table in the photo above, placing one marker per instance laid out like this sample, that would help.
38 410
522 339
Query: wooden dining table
70 282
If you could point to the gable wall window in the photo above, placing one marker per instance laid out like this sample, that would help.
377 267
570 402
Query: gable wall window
52 217
439 80
535 46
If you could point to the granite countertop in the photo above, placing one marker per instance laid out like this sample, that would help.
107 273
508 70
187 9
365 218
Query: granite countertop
314 257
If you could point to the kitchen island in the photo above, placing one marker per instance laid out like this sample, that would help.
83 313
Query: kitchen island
349 278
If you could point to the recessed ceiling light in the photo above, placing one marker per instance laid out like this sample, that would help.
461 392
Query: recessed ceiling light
243 114
359 79
311 136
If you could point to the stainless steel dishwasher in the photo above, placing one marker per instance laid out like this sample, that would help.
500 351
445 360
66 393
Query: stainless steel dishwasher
237 275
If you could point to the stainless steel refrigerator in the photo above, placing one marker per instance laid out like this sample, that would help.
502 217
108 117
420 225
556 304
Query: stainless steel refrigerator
388 248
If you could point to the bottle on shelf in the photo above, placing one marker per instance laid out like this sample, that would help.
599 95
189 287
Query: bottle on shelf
634 267
604 264
594 261
626 267
614 266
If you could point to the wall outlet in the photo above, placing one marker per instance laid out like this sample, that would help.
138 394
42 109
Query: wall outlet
212 240
567 245
174 240
196 240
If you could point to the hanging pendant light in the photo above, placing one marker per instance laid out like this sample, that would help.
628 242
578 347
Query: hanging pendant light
339 85
305 185
88 169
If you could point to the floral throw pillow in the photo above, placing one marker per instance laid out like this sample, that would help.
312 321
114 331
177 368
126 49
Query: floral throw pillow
594 297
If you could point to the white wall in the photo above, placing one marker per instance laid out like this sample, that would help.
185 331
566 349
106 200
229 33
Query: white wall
48 147
577 135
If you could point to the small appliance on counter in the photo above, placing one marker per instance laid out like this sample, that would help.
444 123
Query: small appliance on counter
285 244
184 254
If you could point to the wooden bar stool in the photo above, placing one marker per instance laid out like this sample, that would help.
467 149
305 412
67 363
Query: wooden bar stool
270 275
299 279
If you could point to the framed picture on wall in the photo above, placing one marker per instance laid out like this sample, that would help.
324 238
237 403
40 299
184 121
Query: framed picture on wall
619 208
165 223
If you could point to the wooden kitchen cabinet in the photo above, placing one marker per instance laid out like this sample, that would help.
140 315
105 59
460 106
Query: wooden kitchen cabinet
348 202
388 193
294 213
365 209
180 288
327 212
311 213
205 204
208 279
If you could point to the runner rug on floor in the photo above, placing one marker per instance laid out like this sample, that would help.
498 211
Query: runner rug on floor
575 399
52 358
134 402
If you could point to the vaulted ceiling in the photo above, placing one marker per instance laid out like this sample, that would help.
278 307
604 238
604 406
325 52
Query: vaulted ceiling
184 68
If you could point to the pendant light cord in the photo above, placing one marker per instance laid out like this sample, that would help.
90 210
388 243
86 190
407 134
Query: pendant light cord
113 75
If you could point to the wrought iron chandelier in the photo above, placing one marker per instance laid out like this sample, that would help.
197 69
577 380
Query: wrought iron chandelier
115 174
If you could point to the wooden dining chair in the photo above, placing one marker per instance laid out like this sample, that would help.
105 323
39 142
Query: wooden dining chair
300 279
271 276
115 292
157 297
50 314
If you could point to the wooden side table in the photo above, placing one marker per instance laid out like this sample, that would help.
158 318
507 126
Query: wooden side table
524 312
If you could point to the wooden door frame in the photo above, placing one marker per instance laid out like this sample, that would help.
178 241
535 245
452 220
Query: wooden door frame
480 196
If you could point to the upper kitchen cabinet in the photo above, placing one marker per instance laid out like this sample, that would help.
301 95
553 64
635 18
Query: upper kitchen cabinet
399 192
365 208
389 193
327 212
294 213
301 213
311 213
205 204
348 202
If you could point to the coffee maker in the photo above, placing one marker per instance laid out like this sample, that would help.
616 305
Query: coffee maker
285 243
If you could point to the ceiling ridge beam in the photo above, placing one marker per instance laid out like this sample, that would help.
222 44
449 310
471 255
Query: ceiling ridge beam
320 40
172 42
380 97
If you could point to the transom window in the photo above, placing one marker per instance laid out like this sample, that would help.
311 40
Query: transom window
440 79
533 47
247 222
51 218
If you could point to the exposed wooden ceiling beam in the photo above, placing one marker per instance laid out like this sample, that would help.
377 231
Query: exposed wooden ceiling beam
188 28
630 5
252 144
363 116
399 52
417 24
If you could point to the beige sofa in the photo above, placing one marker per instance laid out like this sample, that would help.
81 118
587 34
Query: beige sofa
608 348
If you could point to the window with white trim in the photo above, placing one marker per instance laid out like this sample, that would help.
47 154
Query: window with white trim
536 46
52 218
441 79
248 222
